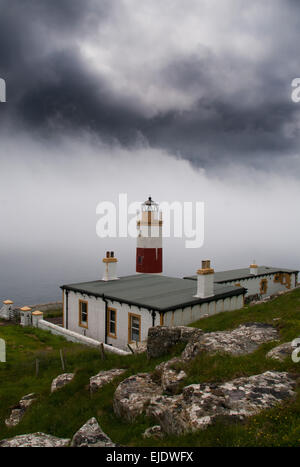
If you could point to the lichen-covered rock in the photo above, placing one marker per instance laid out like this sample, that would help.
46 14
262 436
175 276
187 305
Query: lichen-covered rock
281 352
18 411
162 338
91 435
104 377
240 341
139 347
200 404
34 440
153 432
61 380
168 376
133 395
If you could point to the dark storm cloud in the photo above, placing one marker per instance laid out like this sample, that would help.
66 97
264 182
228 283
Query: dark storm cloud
236 107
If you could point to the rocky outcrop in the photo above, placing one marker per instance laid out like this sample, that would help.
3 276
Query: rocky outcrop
242 340
133 395
19 410
91 435
104 377
281 352
61 380
34 440
200 404
162 338
153 432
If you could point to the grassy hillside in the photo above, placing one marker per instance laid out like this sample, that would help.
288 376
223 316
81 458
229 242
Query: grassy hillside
63 412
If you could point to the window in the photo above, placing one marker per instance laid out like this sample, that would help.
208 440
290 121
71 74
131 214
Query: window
140 259
263 286
112 322
83 313
134 328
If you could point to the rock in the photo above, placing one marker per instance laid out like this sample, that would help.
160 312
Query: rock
104 377
91 435
61 380
133 395
18 411
34 440
162 338
168 377
200 404
281 352
242 340
153 432
140 348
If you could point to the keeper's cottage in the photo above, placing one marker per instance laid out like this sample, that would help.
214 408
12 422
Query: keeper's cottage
119 310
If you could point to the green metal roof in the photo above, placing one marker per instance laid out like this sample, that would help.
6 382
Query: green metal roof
244 273
154 292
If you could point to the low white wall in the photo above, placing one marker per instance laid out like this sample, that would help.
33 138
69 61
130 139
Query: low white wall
77 338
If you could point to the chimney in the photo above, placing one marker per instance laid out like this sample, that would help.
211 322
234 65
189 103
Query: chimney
110 272
205 280
254 268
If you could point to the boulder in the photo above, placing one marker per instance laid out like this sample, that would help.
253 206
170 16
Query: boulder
281 352
168 376
240 341
34 440
18 411
162 338
61 380
91 435
200 404
133 395
104 377
153 432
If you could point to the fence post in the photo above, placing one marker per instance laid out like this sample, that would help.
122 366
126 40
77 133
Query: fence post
37 367
62 359
102 351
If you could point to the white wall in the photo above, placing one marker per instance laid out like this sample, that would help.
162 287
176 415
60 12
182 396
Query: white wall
188 315
253 284
96 319
74 337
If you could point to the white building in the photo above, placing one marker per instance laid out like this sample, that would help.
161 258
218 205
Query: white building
260 281
120 311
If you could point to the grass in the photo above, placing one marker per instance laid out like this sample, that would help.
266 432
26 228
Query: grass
63 412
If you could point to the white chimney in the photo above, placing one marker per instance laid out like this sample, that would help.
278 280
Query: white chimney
205 280
254 268
110 272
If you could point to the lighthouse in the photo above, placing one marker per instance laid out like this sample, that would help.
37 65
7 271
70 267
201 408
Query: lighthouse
149 240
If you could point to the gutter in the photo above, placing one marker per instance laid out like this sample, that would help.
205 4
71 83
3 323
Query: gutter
105 326
235 291
67 308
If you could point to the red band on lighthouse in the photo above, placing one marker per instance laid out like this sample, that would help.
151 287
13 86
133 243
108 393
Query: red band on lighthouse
149 254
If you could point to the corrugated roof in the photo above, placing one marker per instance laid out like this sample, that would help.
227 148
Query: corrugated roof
244 273
154 292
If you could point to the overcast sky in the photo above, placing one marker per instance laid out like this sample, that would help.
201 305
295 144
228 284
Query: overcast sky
185 100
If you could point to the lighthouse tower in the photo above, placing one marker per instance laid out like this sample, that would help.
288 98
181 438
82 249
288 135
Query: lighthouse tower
149 240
